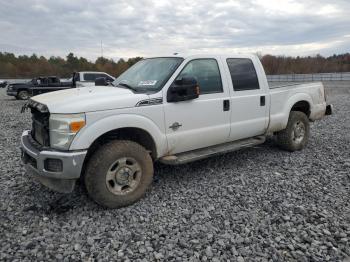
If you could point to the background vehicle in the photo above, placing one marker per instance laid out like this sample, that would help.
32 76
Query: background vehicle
79 79
23 91
3 84
87 78
169 109
41 85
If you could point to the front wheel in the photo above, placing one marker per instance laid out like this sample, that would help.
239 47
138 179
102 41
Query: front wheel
23 95
118 174
296 134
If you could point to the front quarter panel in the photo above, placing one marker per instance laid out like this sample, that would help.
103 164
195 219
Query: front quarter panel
148 118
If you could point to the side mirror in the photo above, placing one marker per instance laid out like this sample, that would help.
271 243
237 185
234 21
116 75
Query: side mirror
183 89
101 81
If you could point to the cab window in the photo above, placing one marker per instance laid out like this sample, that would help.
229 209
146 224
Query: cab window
90 77
243 74
207 74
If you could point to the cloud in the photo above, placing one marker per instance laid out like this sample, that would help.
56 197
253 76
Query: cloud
142 28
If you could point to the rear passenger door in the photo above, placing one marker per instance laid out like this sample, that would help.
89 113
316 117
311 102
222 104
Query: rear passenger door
249 108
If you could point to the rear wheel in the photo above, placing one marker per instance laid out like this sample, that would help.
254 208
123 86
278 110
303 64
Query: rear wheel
118 174
23 95
296 134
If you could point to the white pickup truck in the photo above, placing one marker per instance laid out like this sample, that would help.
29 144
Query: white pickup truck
87 78
168 109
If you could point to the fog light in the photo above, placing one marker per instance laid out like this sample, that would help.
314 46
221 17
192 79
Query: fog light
53 165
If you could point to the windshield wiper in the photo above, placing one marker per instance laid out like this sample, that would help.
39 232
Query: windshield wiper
127 86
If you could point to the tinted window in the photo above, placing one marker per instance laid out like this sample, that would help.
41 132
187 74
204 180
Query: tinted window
207 74
53 80
43 81
243 74
108 78
90 77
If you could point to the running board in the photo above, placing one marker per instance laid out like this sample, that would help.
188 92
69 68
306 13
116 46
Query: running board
194 155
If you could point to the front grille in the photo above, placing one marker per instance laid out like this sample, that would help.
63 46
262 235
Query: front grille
40 127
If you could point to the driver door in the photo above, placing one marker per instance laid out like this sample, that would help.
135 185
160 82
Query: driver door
204 121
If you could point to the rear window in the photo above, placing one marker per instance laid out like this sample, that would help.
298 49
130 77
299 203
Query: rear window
243 74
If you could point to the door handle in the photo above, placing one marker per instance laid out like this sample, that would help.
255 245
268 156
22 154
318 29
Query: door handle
175 126
226 105
262 100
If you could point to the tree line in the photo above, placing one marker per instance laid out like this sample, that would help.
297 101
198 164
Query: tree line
275 65
23 66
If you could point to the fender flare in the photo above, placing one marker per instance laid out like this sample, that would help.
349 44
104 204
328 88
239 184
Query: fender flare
293 100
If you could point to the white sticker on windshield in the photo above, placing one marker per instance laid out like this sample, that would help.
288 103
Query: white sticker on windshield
147 83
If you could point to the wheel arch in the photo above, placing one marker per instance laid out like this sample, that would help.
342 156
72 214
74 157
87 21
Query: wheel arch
297 102
22 89
126 126
302 106
134 134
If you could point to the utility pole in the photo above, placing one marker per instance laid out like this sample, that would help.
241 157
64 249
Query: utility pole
101 49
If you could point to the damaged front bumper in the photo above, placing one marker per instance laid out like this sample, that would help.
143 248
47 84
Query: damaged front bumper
57 170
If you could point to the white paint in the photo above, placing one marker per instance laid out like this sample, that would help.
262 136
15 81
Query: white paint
204 123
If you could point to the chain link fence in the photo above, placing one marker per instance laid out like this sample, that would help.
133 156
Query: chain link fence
309 77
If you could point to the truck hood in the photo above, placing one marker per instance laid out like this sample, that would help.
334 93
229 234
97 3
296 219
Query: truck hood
87 99
16 86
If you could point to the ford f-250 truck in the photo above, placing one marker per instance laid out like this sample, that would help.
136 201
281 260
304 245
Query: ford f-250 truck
168 109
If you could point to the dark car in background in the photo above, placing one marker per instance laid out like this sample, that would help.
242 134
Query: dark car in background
78 79
23 91
41 85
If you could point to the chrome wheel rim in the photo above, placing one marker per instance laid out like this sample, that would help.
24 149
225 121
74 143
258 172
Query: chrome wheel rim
123 176
298 133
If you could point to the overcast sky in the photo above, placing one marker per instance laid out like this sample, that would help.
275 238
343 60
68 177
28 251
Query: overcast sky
131 28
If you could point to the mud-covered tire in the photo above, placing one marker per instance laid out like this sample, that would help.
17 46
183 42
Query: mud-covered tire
23 95
100 166
296 134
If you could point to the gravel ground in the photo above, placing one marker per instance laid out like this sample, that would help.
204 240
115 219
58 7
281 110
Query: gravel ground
257 204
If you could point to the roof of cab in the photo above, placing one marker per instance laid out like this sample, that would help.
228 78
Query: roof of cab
193 56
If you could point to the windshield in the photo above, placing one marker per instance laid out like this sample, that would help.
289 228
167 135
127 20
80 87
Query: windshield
149 74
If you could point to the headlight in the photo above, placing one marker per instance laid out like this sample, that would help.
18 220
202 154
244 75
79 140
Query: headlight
63 128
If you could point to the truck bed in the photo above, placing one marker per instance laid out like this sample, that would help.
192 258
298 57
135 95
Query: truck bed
283 97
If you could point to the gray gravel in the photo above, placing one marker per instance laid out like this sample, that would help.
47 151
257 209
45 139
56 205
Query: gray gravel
258 204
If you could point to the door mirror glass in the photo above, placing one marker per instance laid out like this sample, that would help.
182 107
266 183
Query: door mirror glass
185 88
101 81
